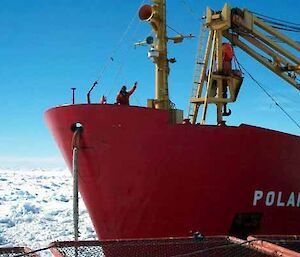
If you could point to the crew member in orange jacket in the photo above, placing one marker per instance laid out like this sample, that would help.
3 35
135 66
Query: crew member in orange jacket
227 55
123 96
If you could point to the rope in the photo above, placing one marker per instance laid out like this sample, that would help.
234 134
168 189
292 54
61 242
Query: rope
34 251
75 138
75 193
75 148
271 97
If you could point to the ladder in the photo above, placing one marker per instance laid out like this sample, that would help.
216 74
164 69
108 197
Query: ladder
198 67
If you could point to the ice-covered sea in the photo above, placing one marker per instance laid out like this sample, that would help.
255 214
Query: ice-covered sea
36 208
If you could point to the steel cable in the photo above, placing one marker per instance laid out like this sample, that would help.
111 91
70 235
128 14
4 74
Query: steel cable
111 58
190 10
119 70
270 96
275 19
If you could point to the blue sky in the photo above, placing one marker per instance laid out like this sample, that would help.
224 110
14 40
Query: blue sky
49 46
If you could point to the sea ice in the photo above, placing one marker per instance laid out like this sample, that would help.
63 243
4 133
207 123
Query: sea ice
36 209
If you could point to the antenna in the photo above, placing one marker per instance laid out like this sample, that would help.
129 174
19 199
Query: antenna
73 94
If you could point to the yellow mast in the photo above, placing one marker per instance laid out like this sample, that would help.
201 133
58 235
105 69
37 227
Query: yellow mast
156 16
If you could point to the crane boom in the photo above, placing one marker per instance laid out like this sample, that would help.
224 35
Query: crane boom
258 39
253 30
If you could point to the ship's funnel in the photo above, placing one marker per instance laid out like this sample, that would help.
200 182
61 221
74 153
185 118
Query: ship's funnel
146 12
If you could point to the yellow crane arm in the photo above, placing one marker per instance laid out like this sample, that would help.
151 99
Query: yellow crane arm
254 36
255 33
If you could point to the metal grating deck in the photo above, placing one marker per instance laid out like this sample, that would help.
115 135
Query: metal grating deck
214 246
175 247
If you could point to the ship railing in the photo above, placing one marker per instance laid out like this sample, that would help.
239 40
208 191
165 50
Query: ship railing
197 246
221 246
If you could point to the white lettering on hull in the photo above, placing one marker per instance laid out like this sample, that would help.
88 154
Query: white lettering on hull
270 198
278 199
291 201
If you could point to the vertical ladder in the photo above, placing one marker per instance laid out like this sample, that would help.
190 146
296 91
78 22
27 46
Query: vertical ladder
198 66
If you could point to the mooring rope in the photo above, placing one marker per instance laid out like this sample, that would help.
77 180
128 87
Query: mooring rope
75 146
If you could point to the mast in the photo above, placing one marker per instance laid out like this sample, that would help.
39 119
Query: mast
156 16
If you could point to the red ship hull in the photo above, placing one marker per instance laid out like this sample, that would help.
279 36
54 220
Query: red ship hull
141 177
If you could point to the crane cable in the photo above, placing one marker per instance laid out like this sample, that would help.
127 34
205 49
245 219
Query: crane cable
107 92
269 95
275 19
174 30
279 24
117 47
119 70
190 10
